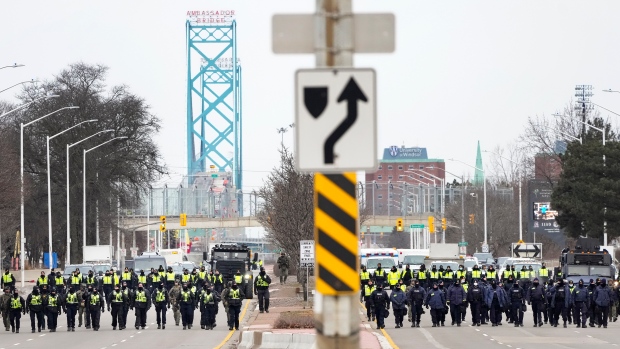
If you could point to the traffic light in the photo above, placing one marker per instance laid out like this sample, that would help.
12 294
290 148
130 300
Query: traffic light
444 224
472 218
162 226
183 219
399 224
431 224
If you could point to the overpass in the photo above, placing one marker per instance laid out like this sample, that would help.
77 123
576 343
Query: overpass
139 223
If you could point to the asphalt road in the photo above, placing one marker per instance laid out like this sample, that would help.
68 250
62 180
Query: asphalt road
106 338
505 336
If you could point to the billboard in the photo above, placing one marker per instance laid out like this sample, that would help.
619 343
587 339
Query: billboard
541 212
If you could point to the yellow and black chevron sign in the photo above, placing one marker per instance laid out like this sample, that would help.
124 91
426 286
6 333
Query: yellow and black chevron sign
335 233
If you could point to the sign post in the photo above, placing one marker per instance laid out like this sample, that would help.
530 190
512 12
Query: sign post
333 34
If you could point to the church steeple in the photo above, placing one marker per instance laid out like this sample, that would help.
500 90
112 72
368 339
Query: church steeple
478 175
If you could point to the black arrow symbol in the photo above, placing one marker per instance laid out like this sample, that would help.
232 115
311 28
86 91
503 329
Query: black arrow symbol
536 251
516 251
351 93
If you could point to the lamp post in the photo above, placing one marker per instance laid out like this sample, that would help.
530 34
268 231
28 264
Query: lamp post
27 104
84 152
21 171
17 84
49 189
443 197
462 200
68 200
484 189
15 65
520 197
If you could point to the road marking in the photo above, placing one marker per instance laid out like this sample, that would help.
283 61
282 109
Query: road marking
484 334
139 332
16 344
124 340
230 333
576 331
114 344
477 330
431 340
389 339
41 335
28 340
509 346
130 336
492 339
589 336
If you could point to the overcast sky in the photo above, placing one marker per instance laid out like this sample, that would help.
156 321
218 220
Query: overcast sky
463 71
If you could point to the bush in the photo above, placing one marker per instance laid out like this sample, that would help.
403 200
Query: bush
295 319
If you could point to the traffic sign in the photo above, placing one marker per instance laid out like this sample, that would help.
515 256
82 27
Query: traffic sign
306 253
418 226
336 234
533 250
335 120
485 248
463 243
372 33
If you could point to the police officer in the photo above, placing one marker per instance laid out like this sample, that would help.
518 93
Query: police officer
162 303
8 280
433 276
448 277
59 283
475 297
368 289
421 276
399 304
18 307
380 302
569 310
218 283
170 277
461 274
234 298
143 279
580 300
393 277
465 287
516 300
142 303
53 307
42 280
202 275
261 288
81 290
173 296
187 304
407 275
543 274
436 300
208 307
34 305
224 296
560 300
86 297
108 283
591 304
128 296
535 297
416 296
185 277
455 298
602 299
127 277
491 274
116 306
496 300
379 276
70 306
364 278
96 306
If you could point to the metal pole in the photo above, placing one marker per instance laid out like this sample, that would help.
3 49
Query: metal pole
83 201
410 238
337 315
110 240
148 221
118 232
49 208
463 188
443 210
520 212
97 216
68 260
484 186
22 225
374 184
389 201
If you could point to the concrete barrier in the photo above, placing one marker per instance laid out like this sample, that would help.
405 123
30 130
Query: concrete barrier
247 340
269 340
276 340
303 341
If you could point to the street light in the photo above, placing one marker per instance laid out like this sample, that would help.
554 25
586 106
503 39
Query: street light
443 197
21 171
564 134
49 189
484 186
19 83
15 65
27 104
85 151
68 200
462 199
520 202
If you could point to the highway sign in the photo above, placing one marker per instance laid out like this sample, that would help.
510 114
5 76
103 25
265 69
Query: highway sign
485 248
463 243
529 250
335 120
306 253
418 226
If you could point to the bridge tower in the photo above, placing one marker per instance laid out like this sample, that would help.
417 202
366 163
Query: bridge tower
214 127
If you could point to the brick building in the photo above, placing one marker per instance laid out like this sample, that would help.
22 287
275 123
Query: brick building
399 178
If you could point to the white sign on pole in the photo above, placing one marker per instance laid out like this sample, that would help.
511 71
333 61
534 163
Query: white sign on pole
336 120
485 248
306 253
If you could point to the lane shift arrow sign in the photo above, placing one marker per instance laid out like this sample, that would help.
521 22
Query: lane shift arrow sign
351 93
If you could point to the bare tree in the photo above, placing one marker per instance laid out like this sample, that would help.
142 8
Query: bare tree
288 209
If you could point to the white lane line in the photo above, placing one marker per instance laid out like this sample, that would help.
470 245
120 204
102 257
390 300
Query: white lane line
114 344
589 336
139 332
124 340
576 331
484 334
431 340
130 336
28 340
492 339
509 346
41 335
16 344
477 330
500 343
